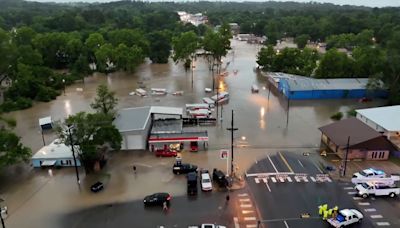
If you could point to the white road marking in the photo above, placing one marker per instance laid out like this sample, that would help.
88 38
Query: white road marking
357 198
313 179
300 163
370 210
383 224
319 169
145 165
269 189
267 174
348 188
273 179
265 180
363 203
236 222
245 205
376 216
244 200
257 180
276 170
352 193
256 161
243 194
251 226
281 179
250 218
289 179
287 226
247 212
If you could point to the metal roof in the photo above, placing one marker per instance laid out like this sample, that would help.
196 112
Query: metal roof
55 150
166 110
167 126
387 117
130 119
338 132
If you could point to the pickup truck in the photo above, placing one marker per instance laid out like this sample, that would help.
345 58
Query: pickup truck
370 174
366 189
208 225
346 217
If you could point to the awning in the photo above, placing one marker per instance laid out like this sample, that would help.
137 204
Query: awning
48 163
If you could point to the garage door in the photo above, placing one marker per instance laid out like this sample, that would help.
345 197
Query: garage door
135 142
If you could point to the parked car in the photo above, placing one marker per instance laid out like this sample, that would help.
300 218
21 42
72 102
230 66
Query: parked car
179 168
165 153
206 184
194 146
96 187
346 217
157 199
220 178
192 183
374 175
377 189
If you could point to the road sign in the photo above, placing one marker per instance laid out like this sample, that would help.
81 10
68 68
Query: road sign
223 154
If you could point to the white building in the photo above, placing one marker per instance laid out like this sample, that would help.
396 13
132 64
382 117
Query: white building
55 154
385 120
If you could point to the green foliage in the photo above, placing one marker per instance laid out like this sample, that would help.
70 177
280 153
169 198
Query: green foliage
16 104
301 40
335 64
185 45
105 101
352 113
160 46
217 43
11 149
337 116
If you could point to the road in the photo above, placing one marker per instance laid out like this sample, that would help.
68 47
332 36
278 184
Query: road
282 199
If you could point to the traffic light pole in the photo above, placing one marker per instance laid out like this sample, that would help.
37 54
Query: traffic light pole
232 129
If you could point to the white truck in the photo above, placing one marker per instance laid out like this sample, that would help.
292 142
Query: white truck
368 175
377 189
346 217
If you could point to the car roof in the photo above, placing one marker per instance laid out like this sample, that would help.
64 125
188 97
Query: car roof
347 212
372 170
205 175
160 194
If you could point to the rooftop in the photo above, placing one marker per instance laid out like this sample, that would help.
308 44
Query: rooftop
54 150
167 126
130 119
387 117
338 132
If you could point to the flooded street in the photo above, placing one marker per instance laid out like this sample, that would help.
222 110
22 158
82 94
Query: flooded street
42 199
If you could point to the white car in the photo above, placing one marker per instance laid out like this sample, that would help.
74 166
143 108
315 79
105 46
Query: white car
346 217
377 189
371 174
206 184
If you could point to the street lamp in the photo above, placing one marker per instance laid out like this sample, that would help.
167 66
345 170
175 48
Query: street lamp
63 81
73 153
1 212
232 129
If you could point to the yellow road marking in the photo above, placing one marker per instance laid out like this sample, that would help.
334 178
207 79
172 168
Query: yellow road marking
285 161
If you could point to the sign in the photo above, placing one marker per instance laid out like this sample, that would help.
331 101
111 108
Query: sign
223 154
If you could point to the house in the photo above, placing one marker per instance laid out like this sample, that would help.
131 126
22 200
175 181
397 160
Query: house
363 141
56 154
385 120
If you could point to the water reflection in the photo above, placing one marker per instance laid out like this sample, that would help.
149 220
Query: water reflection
67 107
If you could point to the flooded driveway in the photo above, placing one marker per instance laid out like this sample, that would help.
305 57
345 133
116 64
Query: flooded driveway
264 126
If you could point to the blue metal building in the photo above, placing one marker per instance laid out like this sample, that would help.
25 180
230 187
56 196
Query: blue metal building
296 87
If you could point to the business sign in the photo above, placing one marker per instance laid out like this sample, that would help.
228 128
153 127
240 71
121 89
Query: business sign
223 154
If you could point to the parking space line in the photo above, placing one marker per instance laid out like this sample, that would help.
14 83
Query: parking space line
273 165
300 163
250 218
319 169
269 189
236 222
363 203
243 194
287 226
376 216
383 224
289 179
285 161
245 205
370 210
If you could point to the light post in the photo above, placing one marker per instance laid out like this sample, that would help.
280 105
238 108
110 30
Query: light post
1 213
73 153
63 81
232 129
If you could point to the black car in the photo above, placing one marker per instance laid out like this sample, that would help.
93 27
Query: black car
220 178
179 168
157 199
192 183
96 187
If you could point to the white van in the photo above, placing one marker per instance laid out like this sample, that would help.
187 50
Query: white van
193 107
209 101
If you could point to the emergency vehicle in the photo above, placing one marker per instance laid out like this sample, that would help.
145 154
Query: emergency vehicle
368 175
377 189
346 217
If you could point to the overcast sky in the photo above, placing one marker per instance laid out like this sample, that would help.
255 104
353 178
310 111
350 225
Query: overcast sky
371 3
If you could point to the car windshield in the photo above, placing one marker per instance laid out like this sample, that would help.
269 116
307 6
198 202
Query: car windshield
363 173
365 185
206 180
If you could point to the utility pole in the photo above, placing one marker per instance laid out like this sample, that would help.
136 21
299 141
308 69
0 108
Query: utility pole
1 218
217 102
232 129
73 154
345 157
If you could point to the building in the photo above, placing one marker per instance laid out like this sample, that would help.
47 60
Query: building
46 123
296 87
385 120
364 143
56 154
135 124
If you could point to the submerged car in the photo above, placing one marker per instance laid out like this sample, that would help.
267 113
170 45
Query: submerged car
96 187
157 199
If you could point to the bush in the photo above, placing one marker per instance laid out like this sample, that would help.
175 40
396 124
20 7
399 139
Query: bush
351 113
19 104
46 94
337 116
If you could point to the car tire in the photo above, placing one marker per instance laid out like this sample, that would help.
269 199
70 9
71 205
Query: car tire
359 221
392 195
364 196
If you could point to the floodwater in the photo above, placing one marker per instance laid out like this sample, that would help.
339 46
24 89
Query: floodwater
37 199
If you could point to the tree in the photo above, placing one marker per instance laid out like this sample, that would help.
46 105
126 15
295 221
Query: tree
160 46
128 58
93 43
368 61
185 45
392 71
104 55
266 57
7 53
302 40
335 64
94 134
105 101
217 44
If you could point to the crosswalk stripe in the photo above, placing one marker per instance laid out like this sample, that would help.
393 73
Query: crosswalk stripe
251 225
265 180
247 212
289 179
281 179
246 205
257 180
328 179
313 179
250 218
244 200
363 203
243 194
273 179
236 221
370 210
376 216
383 224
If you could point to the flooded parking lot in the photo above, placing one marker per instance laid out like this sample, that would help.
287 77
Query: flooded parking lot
264 126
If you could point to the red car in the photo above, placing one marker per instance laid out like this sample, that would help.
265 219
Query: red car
194 146
165 153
